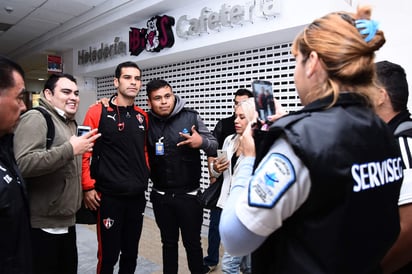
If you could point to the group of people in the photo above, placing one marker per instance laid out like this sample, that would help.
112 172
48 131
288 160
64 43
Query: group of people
108 168
310 192
324 190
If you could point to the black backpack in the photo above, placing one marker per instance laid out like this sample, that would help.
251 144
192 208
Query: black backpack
50 126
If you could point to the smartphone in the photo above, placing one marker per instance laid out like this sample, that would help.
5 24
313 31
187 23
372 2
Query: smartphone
81 130
264 102
222 154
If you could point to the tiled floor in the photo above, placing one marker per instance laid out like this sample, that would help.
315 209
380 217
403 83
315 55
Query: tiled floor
150 254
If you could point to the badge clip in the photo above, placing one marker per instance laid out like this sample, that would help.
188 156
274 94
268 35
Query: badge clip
160 148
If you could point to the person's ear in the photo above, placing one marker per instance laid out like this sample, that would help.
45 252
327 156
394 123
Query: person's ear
382 96
116 82
149 103
312 64
48 94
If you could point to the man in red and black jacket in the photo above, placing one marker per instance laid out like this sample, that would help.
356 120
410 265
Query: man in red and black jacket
115 180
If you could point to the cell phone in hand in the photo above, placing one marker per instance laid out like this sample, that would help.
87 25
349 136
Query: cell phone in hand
222 154
81 130
264 100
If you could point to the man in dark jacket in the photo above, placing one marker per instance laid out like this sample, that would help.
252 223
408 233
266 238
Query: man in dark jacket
176 134
116 180
15 245
392 107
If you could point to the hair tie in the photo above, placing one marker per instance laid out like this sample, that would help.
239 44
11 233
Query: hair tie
367 27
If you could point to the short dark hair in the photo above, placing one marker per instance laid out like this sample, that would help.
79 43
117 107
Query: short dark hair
127 64
7 67
393 78
156 84
51 82
243 92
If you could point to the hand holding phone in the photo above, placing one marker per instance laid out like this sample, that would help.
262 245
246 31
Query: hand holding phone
222 155
264 100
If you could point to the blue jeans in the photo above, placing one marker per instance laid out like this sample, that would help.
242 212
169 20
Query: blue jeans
234 264
213 238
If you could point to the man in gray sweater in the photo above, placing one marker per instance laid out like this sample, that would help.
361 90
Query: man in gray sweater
53 174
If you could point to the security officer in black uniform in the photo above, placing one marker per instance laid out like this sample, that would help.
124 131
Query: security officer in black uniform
323 195
15 245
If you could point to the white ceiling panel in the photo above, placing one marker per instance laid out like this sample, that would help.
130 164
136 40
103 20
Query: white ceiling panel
27 3
20 10
35 25
72 8
51 15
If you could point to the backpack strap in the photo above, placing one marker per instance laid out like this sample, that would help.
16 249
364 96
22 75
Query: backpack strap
50 126
94 164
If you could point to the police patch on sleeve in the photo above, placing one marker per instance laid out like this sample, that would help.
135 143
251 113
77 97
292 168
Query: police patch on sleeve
271 180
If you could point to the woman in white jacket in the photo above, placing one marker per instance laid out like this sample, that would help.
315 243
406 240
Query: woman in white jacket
245 112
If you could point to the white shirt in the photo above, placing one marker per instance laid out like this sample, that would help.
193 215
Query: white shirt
278 188
405 196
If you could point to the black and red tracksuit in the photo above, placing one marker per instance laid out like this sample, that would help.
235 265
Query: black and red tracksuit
120 168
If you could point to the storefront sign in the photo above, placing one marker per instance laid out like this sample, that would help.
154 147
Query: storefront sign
157 36
54 64
96 55
227 16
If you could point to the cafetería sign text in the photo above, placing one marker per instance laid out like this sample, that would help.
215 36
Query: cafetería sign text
227 16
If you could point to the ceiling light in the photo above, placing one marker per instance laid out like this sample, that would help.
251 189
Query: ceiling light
9 9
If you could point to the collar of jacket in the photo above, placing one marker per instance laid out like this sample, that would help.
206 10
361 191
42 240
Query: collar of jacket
344 99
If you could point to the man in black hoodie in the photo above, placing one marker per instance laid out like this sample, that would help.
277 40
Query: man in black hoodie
175 136
391 106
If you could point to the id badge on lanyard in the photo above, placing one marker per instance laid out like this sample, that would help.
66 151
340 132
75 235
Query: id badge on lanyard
160 148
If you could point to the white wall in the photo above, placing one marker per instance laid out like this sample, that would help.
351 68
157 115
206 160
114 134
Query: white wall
394 20
88 94
261 32
293 15
34 85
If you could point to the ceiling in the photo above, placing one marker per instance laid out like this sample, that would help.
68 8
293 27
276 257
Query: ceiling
31 19
29 29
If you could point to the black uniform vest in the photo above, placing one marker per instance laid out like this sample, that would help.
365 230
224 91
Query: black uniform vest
179 169
15 242
350 218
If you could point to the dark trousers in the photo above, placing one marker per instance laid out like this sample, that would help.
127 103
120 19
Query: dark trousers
54 253
213 238
174 212
119 226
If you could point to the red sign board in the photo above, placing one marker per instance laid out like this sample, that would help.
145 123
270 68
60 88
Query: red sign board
54 64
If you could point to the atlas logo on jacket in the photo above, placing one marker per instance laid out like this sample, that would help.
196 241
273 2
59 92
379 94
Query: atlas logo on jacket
108 223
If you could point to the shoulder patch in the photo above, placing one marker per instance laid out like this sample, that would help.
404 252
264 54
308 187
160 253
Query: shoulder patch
271 180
